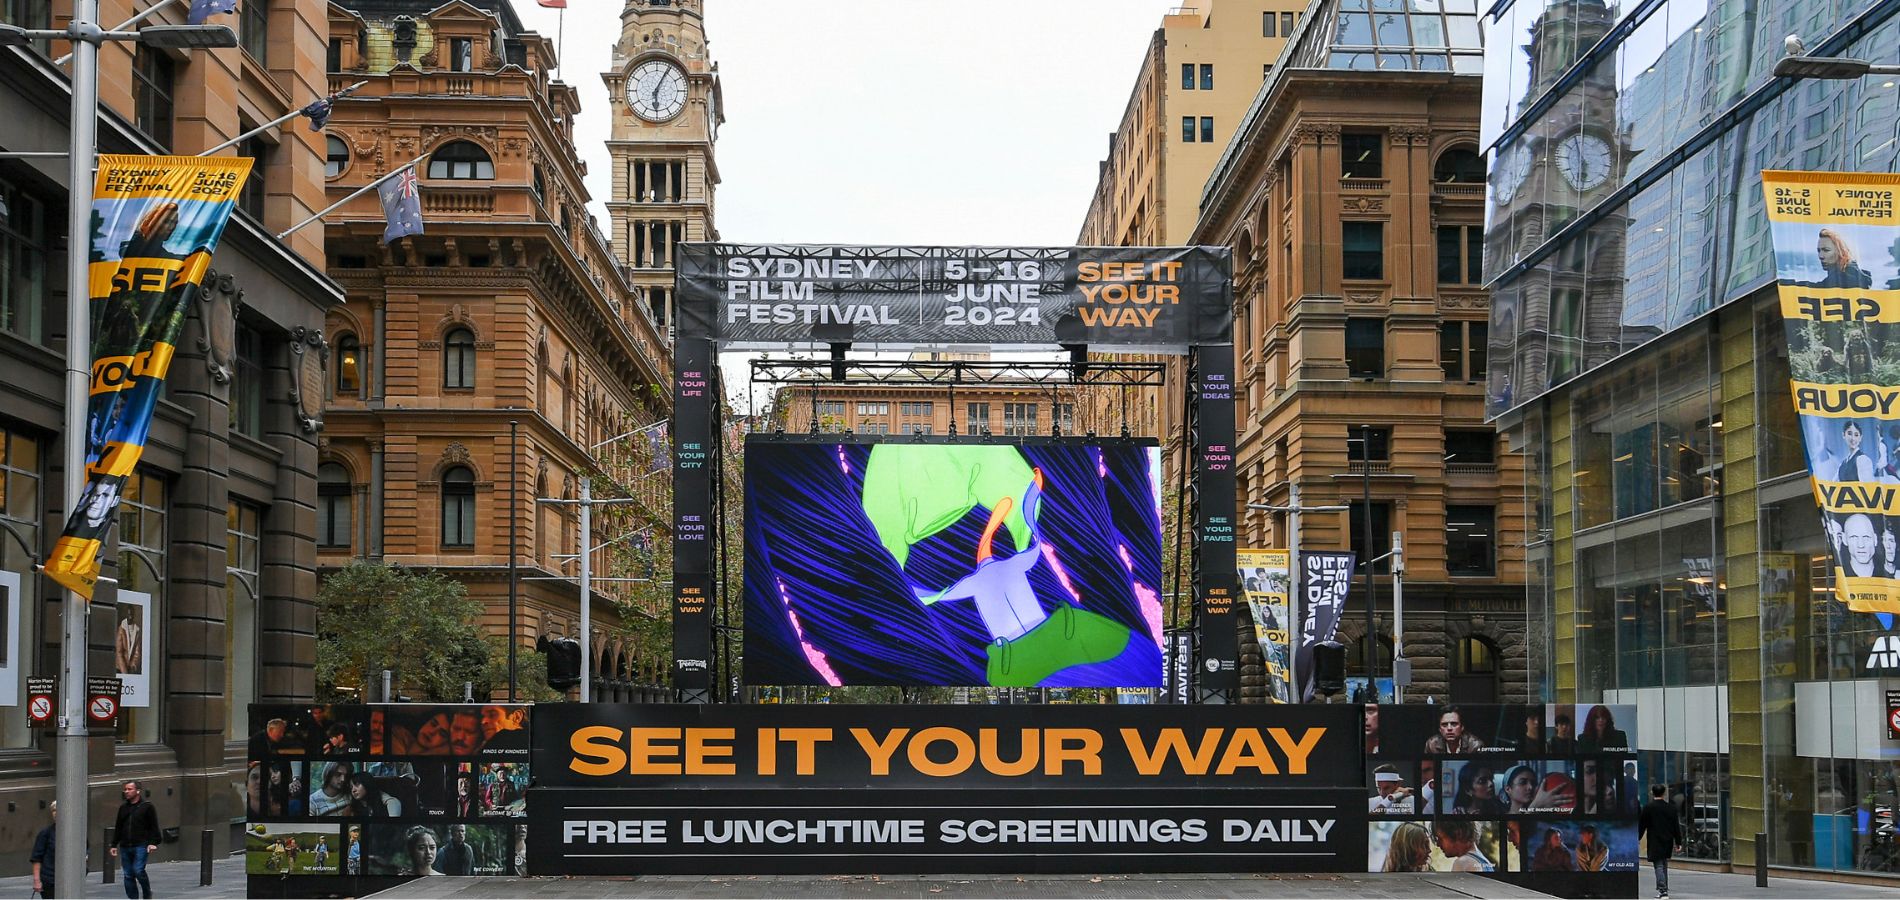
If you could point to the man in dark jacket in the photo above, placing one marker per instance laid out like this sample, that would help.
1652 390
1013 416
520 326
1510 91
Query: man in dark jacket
1659 822
44 852
137 833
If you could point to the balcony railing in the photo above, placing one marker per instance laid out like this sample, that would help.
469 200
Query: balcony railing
1471 468
457 201
1378 466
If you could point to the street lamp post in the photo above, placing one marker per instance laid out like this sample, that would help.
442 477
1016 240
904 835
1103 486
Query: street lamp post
1372 600
71 774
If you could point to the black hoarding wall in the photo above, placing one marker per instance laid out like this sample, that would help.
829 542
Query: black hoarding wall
721 789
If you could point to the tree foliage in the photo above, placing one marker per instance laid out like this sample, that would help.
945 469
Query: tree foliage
419 624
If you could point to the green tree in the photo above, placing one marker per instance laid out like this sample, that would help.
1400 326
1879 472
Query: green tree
421 625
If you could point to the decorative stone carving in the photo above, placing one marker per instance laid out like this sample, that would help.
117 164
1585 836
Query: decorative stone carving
1410 134
455 454
1362 298
218 302
309 360
1362 204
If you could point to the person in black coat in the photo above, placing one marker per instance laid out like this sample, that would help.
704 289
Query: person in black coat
137 831
1659 822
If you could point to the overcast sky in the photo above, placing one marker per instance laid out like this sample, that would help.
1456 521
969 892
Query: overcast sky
894 121
891 121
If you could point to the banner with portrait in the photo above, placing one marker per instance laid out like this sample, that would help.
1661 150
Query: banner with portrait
132 647
155 222
1267 580
1839 287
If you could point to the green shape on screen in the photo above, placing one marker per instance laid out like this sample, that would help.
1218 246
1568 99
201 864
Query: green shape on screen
1071 636
912 491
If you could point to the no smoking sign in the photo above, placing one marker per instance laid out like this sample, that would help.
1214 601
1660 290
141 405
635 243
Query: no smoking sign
102 699
40 697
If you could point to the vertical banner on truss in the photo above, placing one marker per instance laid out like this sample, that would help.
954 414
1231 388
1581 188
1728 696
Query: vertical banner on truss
1213 537
693 550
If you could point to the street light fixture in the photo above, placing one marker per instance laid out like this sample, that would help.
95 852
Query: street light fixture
188 37
1829 68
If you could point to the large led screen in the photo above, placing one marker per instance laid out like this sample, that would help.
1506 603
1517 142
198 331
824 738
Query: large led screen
1022 565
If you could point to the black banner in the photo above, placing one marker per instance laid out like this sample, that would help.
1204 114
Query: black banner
1325 580
578 832
764 296
1218 586
1095 747
693 404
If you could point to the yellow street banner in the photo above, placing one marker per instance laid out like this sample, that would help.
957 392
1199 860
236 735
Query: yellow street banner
155 222
1838 280
1267 580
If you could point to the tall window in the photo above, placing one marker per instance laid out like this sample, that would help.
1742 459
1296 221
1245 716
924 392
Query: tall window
1463 350
1207 76
458 359
143 543
1065 417
1471 446
349 365
1207 129
333 57
1459 165
1019 418
334 519
458 507
1381 533
1363 444
979 418
21 512
1362 251
1361 155
1187 76
1286 23
336 156
242 537
254 25
251 196
247 383
1187 129
22 262
461 55
1365 347
1269 24
1469 540
1460 254
461 160
154 78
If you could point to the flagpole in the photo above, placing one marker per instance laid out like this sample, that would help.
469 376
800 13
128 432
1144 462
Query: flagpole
281 120
560 36
353 195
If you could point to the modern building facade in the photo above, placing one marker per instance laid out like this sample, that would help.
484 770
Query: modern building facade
1200 71
215 531
1676 558
500 357
1352 196
667 109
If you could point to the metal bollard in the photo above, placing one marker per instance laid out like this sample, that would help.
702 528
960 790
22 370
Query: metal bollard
1761 860
204 856
108 861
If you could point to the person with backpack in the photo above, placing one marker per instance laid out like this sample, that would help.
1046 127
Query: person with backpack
1659 822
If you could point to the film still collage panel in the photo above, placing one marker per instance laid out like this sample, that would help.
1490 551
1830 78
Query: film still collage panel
1501 788
396 790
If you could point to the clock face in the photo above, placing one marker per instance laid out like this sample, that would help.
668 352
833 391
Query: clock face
1584 160
656 90
1513 165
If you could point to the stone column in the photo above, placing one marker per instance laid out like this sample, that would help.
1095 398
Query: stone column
287 565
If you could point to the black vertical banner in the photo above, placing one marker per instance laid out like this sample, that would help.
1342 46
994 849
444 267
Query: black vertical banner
693 361
1214 518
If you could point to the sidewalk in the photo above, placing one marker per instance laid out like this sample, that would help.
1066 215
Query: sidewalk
169 879
1688 885
1446 886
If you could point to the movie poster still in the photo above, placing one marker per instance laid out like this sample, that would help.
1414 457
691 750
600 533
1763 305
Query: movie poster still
366 789
1495 786
423 850
472 730
1424 845
295 730
1032 564
287 849
1394 791
1412 730
1573 845
504 789
274 789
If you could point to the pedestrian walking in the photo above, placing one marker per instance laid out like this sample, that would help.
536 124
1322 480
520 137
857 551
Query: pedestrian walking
1664 829
137 831
44 853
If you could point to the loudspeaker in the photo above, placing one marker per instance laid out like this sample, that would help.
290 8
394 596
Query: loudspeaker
1329 667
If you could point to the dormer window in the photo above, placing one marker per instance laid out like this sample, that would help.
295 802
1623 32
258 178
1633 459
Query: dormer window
461 55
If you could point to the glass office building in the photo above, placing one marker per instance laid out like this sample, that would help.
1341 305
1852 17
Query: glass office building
1676 558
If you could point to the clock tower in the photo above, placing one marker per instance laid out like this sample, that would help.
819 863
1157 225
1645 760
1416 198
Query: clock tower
664 93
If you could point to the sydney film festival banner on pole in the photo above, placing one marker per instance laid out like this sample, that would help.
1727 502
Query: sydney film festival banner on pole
1267 581
155 222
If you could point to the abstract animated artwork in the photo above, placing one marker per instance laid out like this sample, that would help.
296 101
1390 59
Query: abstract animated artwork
1019 565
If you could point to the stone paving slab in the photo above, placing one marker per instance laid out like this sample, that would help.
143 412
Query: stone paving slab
1451 886
169 879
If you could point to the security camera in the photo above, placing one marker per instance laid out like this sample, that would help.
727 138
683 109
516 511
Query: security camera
1792 46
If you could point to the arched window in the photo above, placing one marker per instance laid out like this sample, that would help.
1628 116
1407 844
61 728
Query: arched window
1459 165
334 521
336 156
461 160
458 507
458 359
1476 656
1475 671
349 365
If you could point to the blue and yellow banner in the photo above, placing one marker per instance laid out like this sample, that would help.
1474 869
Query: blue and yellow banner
1267 580
1836 236
155 222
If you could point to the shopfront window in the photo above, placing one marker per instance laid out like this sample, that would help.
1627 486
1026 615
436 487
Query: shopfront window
19 588
242 536
138 639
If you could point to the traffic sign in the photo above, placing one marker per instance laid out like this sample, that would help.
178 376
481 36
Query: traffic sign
102 699
41 695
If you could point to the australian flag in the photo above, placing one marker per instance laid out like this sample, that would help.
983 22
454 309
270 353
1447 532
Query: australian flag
402 205
319 113
205 9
